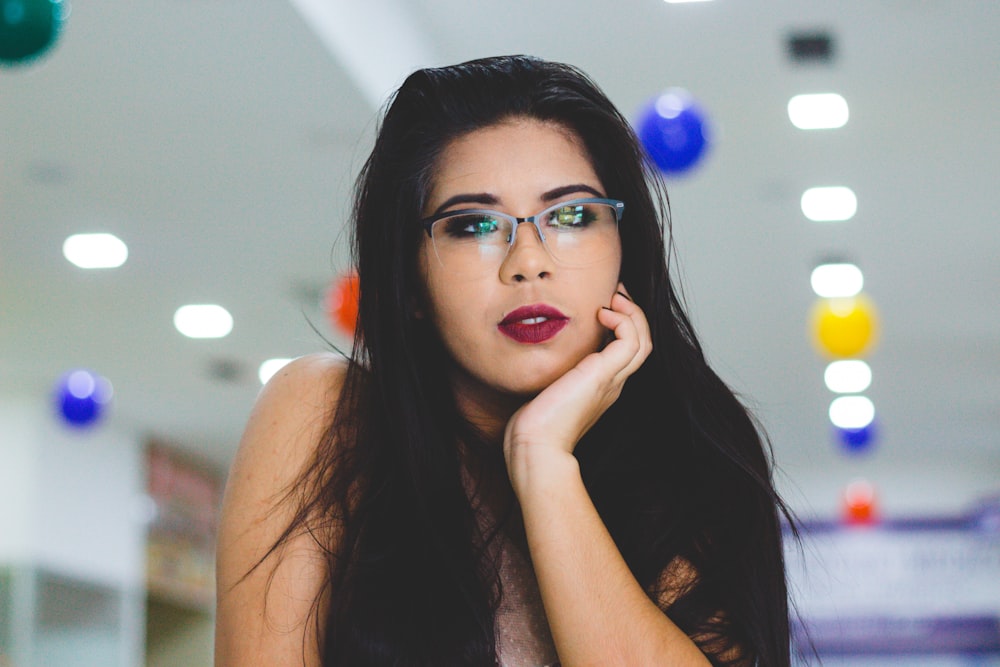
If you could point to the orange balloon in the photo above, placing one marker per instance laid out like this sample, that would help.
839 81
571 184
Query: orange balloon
845 327
342 303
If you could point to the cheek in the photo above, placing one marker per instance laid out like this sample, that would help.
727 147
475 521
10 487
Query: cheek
604 279
432 281
448 303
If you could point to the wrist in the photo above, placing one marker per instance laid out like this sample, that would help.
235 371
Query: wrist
538 469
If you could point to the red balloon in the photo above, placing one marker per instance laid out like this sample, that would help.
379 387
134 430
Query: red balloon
342 303
859 503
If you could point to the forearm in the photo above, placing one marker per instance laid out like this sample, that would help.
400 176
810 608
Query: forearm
597 611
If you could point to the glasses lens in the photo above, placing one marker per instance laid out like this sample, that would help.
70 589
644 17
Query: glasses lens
471 241
580 234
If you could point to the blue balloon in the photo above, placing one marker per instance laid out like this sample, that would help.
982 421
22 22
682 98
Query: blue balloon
81 397
857 440
673 130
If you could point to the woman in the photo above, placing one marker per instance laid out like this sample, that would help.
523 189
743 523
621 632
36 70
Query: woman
527 460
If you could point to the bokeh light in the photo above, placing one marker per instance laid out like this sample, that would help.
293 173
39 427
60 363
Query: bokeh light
852 412
674 131
95 251
859 503
820 111
829 204
270 367
203 321
857 440
837 280
81 397
845 327
847 376
342 302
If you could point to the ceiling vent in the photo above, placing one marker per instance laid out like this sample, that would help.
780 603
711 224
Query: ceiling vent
814 47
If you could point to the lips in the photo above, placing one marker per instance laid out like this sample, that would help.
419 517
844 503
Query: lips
533 324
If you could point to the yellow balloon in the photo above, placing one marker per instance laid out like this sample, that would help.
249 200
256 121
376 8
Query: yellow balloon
845 327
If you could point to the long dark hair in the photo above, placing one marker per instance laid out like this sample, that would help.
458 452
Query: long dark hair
676 468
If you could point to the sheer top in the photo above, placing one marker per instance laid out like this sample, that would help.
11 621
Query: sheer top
522 630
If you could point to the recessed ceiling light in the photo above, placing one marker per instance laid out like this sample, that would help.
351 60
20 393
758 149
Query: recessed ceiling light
269 368
847 376
852 412
95 251
203 321
837 280
829 204
821 111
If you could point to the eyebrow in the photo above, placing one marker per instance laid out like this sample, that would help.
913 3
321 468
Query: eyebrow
560 192
488 199
470 198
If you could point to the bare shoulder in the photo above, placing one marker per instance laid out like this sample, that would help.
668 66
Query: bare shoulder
290 415
285 426
265 600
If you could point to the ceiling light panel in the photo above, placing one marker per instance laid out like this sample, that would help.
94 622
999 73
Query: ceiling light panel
821 111
848 376
95 251
829 204
852 412
833 281
203 321
270 367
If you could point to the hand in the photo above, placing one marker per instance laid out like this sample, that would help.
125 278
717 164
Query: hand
553 422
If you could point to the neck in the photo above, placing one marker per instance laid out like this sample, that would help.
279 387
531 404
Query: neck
487 411
485 408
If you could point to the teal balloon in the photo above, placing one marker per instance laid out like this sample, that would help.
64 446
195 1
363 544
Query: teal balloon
28 28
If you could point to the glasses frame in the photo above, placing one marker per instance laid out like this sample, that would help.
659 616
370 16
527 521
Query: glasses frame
617 205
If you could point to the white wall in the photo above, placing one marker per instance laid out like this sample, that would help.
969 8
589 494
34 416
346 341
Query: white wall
87 497
71 532
18 422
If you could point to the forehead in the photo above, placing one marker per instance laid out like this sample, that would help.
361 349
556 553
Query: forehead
514 161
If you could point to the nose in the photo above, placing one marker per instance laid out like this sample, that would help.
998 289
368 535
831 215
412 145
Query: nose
527 258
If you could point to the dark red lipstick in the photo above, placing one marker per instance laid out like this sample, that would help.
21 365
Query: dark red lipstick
533 324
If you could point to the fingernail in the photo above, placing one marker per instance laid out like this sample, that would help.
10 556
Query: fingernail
625 295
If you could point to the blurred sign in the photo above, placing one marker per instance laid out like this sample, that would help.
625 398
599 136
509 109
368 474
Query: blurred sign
899 587
181 540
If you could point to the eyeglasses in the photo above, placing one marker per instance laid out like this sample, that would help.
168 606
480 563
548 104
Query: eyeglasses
576 233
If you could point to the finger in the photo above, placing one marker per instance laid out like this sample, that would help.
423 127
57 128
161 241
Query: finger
623 303
628 349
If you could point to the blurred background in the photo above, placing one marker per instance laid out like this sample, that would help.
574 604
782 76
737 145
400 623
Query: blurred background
218 141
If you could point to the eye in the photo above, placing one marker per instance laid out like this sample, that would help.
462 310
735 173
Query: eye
571 216
471 225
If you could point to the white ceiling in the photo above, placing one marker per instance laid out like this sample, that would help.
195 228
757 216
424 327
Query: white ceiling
219 140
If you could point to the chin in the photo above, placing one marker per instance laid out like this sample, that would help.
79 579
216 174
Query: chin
521 377
537 377
527 390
